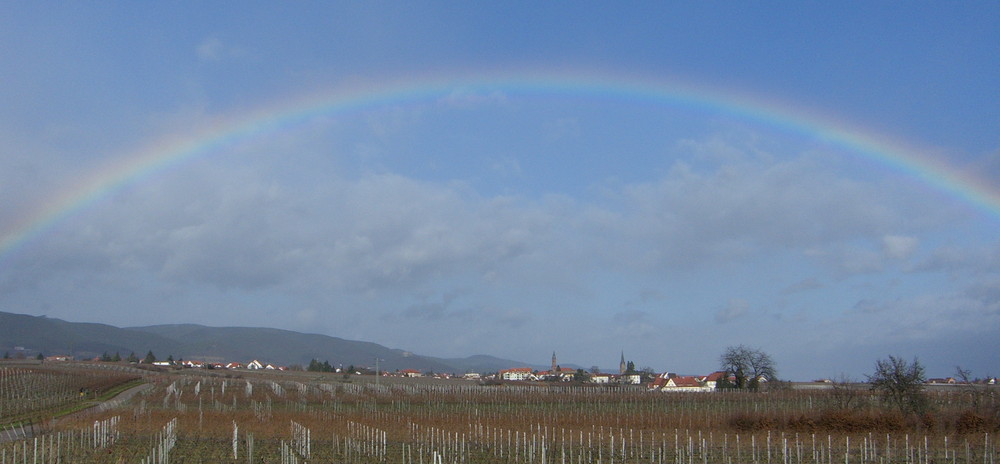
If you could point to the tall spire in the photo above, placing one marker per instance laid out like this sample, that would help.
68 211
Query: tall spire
553 362
621 365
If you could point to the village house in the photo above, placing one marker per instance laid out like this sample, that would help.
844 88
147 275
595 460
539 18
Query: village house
254 365
657 383
944 381
712 380
603 378
630 379
411 373
670 382
563 374
683 383
517 373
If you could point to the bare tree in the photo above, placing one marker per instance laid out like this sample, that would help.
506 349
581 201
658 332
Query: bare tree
964 375
844 395
748 365
977 395
900 383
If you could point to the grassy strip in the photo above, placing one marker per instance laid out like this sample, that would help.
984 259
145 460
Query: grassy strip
107 395
113 392
55 413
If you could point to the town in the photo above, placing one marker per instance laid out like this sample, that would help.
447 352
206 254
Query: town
627 374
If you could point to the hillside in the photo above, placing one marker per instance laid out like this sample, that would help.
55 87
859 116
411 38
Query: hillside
287 347
40 334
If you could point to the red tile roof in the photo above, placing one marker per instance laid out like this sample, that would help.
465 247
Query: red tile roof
715 376
517 369
685 381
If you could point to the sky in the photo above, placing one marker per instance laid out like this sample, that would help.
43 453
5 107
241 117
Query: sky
658 179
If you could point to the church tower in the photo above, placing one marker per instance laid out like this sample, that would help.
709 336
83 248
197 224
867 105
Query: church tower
621 365
553 362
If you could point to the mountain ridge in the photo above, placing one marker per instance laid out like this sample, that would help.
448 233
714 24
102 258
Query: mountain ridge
85 340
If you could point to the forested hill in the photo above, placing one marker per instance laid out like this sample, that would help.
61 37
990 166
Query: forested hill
50 336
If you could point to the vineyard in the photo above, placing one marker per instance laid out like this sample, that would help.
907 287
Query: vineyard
194 416
27 393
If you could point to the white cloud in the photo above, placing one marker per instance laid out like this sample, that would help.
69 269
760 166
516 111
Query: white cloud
852 259
693 217
971 258
898 246
934 317
239 229
245 228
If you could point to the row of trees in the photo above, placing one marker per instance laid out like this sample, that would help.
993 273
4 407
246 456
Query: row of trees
900 383
20 355
316 366
325 366
117 357
132 358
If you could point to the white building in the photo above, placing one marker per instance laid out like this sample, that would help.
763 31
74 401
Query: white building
517 373
601 378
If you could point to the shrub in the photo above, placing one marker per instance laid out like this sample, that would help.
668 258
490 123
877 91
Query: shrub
972 422
751 423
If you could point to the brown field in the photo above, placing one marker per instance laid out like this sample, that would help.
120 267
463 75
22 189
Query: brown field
202 416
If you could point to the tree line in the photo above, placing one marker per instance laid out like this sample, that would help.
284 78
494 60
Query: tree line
898 383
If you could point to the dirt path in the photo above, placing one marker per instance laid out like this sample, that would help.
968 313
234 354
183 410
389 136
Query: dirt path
28 431
118 400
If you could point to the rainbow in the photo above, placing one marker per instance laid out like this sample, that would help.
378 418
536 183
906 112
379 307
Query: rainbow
176 149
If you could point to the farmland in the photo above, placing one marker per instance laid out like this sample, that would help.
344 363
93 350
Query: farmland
30 392
196 416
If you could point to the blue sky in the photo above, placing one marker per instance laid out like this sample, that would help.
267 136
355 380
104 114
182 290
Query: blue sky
500 221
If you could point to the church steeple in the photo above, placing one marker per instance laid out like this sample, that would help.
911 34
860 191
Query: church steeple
553 362
621 365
